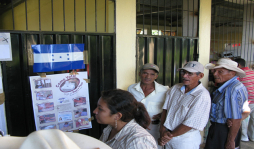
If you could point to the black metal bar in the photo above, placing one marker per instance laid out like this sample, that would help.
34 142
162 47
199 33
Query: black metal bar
214 30
39 15
177 17
251 52
85 17
188 12
13 20
151 17
158 16
52 10
26 14
64 14
245 30
238 48
249 42
219 36
114 16
95 15
74 15
193 18
143 18
164 28
170 17
105 15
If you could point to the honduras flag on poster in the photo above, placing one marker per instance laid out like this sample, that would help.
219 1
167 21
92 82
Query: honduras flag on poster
58 57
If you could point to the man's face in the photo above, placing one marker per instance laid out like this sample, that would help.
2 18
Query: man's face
190 78
222 75
147 76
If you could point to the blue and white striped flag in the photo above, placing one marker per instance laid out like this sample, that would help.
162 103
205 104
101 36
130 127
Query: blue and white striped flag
58 57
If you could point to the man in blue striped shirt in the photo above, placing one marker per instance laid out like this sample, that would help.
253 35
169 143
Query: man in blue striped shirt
227 103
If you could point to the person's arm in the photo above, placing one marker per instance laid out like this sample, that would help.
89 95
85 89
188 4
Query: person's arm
245 114
165 135
181 129
233 130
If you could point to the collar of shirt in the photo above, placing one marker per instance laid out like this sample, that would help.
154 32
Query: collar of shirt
191 91
157 89
245 68
122 132
220 89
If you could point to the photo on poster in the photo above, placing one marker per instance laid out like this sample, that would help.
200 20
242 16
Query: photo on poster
47 118
82 122
64 107
63 100
64 116
69 85
65 126
80 112
42 83
79 101
48 106
43 95
53 126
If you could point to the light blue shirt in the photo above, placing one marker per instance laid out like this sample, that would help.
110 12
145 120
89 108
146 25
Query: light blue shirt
228 101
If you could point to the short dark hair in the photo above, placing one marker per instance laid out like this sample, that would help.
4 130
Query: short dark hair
240 61
124 102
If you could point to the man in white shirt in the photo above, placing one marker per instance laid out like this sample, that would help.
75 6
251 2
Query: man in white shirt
151 94
186 110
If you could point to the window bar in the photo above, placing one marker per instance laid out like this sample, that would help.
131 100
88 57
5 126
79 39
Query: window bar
165 20
214 31
95 15
193 9
251 60
26 14
151 16
75 15
105 16
114 17
52 9
188 12
39 15
236 41
238 48
85 17
177 17
250 35
13 23
158 16
143 18
170 17
231 18
218 16
245 29
227 25
64 14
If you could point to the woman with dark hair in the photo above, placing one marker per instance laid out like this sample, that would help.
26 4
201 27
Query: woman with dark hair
127 120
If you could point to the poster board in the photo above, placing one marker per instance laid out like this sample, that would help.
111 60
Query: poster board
61 101
5 47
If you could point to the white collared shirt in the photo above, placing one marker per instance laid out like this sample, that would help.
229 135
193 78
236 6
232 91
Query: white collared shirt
131 136
154 101
190 109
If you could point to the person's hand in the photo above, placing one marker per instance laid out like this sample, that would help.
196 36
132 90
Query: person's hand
165 137
157 116
229 122
230 145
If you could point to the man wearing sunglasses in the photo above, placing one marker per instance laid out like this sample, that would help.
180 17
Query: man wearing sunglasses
186 110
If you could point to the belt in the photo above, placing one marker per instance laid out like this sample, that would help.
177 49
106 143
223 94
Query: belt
215 123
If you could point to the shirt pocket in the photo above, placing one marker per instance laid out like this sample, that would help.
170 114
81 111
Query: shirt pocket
154 107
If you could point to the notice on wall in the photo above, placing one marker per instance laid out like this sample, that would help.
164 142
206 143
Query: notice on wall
61 101
5 47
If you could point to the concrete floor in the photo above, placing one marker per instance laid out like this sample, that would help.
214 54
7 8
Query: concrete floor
244 145
247 145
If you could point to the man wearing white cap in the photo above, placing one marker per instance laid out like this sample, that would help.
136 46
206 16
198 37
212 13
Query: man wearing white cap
151 94
227 103
186 110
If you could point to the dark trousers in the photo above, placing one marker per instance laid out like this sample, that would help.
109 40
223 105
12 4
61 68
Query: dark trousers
217 136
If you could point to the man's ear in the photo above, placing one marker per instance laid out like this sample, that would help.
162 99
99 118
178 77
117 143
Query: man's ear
201 75
233 73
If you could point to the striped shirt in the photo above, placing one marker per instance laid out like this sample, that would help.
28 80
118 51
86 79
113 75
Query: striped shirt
228 101
131 136
248 82
190 109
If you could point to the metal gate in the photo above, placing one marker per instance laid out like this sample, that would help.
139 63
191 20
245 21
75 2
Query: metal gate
101 67
169 53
